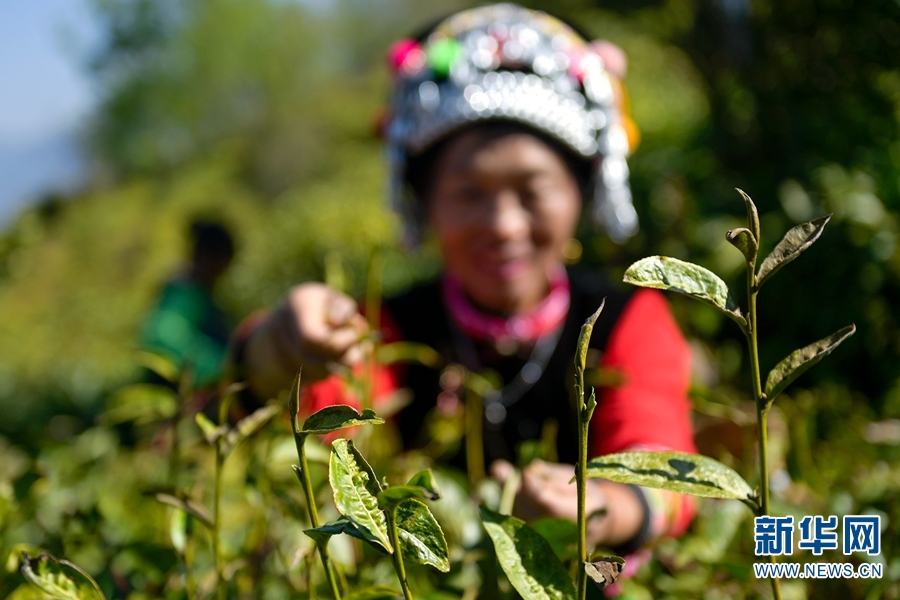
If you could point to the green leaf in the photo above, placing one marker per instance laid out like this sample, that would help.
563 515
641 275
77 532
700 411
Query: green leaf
665 273
604 570
680 472
389 354
189 506
425 480
158 364
561 534
395 494
211 432
527 559
337 417
795 241
421 538
584 337
743 240
142 403
798 361
752 214
355 488
178 530
378 592
323 533
249 425
60 578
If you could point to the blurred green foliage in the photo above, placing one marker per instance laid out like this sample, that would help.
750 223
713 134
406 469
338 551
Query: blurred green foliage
261 113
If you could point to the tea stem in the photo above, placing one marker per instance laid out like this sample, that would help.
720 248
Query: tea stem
397 556
585 411
306 482
762 405
217 523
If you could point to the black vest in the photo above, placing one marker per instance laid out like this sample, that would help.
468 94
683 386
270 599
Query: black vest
422 317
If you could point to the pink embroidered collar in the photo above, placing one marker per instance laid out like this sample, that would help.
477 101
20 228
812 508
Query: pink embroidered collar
523 328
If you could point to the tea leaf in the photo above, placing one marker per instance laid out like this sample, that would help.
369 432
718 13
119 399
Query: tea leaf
189 506
389 354
752 214
378 592
680 472
605 570
527 559
355 488
211 432
396 494
60 578
584 337
798 361
560 533
158 364
665 273
249 425
323 533
743 240
795 241
421 538
337 417
142 403
425 480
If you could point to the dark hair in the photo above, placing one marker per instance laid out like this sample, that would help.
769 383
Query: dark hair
211 239
420 169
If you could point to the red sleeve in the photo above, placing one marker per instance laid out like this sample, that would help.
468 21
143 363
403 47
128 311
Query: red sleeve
650 409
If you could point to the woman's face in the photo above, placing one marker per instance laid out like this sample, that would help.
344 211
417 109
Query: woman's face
502 207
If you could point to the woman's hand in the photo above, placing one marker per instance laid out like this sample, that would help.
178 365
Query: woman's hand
614 512
316 327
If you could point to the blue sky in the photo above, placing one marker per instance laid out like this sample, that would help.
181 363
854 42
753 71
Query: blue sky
45 97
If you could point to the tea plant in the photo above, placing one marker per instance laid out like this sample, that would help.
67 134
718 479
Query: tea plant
392 519
697 475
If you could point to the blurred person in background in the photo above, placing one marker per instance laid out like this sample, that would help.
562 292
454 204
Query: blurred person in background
505 127
186 325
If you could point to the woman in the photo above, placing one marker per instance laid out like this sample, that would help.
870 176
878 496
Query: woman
504 124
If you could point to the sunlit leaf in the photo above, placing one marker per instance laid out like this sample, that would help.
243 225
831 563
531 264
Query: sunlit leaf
527 559
189 506
337 417
665 273
421 538
604 570
142 403
743 240
798 361
178 530
752 214
353 488
211 431
408 352
158 364
249 425
795 241
378 592
680 472
584 337
60 578
426 480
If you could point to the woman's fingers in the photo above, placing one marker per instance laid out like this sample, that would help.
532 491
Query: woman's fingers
317 326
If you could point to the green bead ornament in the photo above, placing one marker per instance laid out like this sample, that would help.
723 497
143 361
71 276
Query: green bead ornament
441 55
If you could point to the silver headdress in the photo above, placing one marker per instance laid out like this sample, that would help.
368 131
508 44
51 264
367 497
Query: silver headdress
507 62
